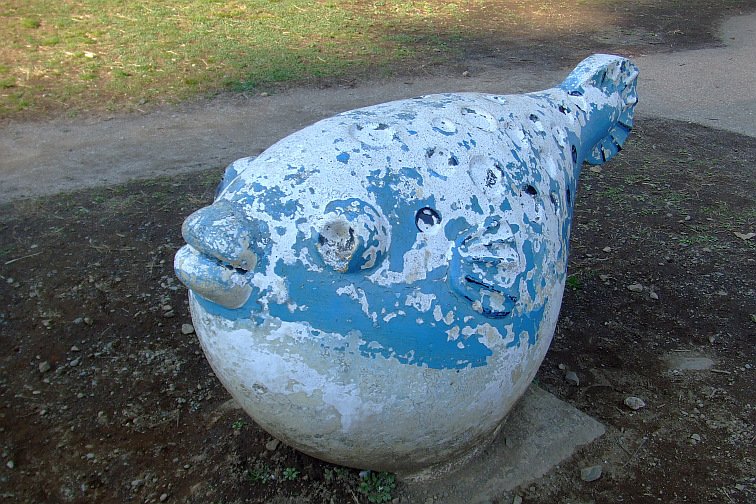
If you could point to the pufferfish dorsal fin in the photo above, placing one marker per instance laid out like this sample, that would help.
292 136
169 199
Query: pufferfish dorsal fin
612 76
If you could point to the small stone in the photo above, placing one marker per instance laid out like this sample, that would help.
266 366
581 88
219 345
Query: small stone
695 438
689 363
88 321
163 497
44 367
636 287
10 464
75 349
653 295
169 314
562 366
517 500
264 94
634 403
745 236
465 74
137 483
590 473
572 378
75 362
607 249
166 307
187 329
272 445
605 278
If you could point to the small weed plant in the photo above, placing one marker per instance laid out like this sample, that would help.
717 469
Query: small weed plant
261 473
290 474
573 282
377 487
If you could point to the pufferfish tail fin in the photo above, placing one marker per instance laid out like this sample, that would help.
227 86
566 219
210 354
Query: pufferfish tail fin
616 78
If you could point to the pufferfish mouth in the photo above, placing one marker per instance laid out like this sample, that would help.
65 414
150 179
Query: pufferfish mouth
223 248
212 279
485 268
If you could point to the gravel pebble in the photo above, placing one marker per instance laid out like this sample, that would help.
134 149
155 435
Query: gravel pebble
44 367
572 378
636 287
187 329
590 473
634 403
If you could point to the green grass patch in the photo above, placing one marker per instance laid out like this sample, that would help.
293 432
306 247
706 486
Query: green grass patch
76 54
116 55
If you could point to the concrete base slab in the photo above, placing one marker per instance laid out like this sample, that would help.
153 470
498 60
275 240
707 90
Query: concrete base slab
540 432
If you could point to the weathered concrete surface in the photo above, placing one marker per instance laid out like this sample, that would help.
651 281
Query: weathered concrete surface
540 432
713 87
390 320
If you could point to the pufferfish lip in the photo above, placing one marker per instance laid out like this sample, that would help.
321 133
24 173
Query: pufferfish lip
212 279
223 248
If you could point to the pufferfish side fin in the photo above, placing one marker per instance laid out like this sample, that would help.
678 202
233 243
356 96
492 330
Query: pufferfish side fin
609 74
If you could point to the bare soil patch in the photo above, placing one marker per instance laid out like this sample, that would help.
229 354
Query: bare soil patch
104 399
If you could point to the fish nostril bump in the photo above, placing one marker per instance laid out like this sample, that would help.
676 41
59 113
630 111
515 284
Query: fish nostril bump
352 236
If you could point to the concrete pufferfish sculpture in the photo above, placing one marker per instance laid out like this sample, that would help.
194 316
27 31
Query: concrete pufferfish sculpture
378 289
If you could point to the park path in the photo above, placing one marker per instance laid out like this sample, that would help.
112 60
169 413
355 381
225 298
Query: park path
714 87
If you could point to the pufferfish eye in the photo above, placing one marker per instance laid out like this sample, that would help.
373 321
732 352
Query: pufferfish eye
352 236
427 220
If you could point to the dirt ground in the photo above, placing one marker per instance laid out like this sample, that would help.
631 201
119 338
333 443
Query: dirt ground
104 398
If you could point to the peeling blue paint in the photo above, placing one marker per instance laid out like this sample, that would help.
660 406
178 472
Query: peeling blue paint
360 258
